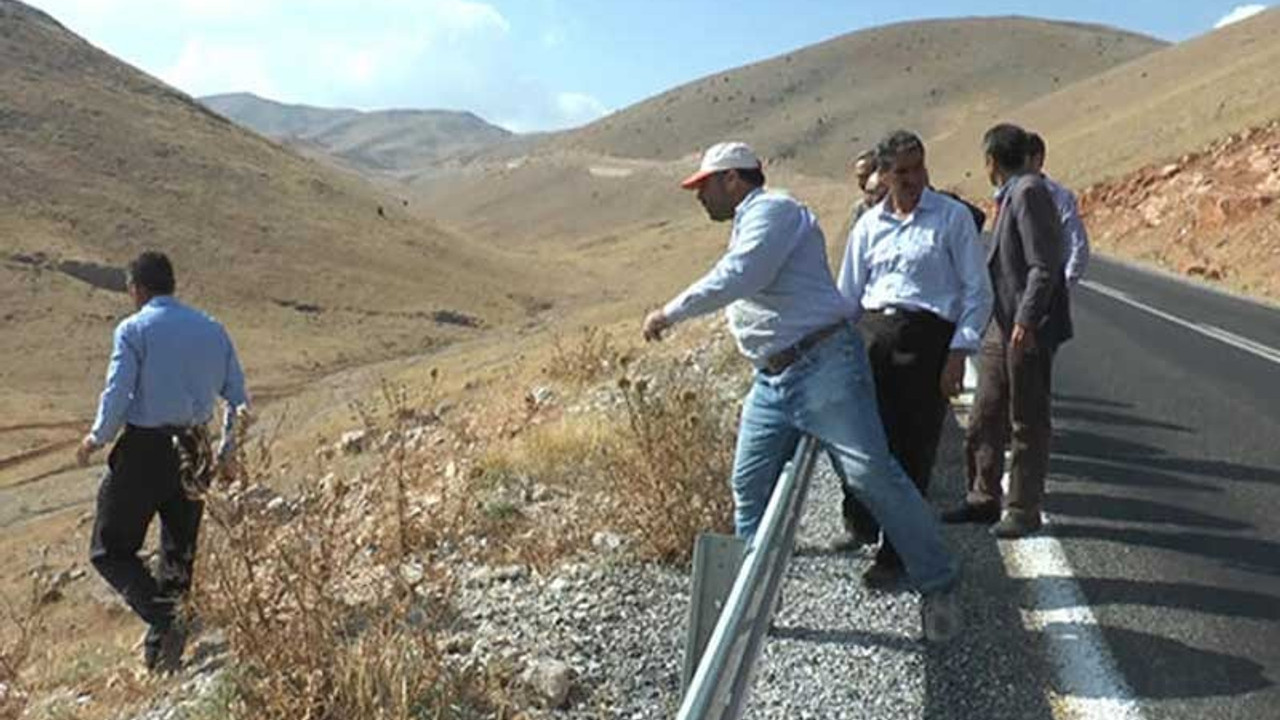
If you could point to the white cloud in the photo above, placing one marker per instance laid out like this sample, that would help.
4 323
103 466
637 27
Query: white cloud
448 54
204 69
579 108
1240 12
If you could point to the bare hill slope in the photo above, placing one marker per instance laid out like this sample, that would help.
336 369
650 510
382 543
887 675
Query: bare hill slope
816 106
383 140
1156 107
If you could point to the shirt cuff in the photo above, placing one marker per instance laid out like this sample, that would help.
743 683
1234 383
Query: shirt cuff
674 311
966 339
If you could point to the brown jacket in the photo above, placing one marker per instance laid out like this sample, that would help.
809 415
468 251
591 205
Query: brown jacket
1026 263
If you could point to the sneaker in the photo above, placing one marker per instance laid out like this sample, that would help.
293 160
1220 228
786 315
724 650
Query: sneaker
1017 525
985 514
940 616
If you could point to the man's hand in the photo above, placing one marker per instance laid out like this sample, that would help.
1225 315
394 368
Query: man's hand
952 381
655 323
85 450
245 418
1023 338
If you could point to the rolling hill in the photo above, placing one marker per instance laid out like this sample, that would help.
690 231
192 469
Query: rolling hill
1153 108
815 107
313 269
385 140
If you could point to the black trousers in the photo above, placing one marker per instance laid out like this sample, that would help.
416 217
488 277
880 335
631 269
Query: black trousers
908 351
142 482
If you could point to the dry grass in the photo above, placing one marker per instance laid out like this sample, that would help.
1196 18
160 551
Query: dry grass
586 360
652 464
20 626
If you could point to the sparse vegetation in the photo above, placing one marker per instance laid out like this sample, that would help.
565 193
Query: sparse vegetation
339 610
21 624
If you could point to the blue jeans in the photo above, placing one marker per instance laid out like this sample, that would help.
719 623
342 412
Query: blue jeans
828 393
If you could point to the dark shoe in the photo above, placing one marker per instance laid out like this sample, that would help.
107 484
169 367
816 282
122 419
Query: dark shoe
940 615
985 514
163 648
1017 525
883 574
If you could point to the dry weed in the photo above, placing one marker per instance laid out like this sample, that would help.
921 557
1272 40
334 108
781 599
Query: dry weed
671 476
337 608
20 626
588 359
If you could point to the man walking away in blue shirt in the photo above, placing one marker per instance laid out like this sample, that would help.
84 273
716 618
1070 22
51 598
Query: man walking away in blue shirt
1074 236
915 266
168 365
811 376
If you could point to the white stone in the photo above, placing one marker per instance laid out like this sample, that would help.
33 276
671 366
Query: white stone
548 682
353 442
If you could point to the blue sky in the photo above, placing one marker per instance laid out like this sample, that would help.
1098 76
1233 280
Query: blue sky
524 64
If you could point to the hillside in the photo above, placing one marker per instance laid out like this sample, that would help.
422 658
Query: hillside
312 269
815 107
1213 213
1149 110
385 140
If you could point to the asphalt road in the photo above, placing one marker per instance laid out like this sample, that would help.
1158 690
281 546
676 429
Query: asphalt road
1165 490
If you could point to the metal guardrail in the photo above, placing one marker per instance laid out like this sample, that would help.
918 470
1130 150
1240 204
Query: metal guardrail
719 687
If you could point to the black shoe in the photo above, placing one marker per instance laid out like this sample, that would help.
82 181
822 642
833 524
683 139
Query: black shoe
1017 525
163 648
985 514
883 575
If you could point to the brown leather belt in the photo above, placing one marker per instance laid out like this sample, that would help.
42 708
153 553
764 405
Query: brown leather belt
783 359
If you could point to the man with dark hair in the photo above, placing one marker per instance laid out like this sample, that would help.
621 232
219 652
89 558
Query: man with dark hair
811 376
1031 318
914 264
1073 233
168 364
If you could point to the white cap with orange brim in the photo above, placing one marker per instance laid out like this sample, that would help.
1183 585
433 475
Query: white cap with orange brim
720 157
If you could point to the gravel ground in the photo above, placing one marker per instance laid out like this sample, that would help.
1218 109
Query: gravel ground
839 651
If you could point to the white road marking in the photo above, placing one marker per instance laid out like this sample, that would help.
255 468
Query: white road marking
1265 352
1090 686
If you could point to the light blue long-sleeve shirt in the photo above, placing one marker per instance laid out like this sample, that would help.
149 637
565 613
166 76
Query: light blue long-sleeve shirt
931 260
774 280
169 364
1076 240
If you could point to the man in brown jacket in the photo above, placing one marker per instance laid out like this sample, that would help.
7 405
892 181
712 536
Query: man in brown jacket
1029 320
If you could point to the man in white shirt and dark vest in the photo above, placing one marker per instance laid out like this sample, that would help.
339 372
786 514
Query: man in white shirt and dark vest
795 327
915 266
1075 238
169 363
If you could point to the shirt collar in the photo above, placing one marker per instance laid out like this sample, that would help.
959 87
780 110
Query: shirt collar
742 206
928 201
161 301
1009 181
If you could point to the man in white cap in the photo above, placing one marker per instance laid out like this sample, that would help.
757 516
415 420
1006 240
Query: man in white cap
811 375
